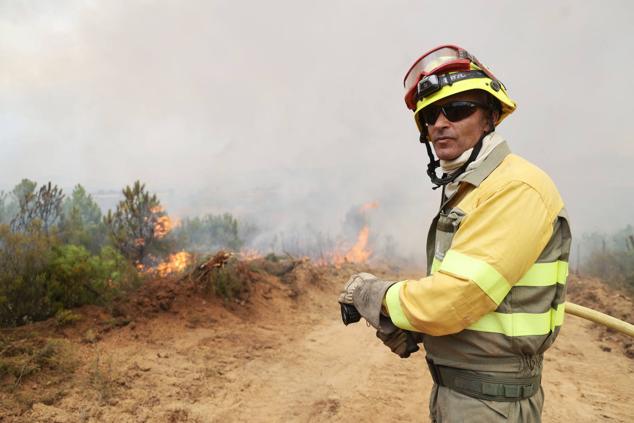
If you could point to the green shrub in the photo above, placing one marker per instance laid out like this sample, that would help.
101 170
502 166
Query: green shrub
39 277
77 277
43 205
24 261
209 233
73 277
272 257
227 284
81 221
65 317
228 281
139 225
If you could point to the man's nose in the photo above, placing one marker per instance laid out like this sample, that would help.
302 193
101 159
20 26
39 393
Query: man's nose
441 121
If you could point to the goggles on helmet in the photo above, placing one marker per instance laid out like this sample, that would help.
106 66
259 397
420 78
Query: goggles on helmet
441 60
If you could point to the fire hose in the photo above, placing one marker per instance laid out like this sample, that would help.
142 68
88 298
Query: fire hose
600 318
349 314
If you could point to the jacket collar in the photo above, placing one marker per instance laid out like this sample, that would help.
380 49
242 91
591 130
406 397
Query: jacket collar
489 164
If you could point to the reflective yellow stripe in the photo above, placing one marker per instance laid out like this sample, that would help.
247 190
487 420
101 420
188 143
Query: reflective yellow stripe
482 273
562 272
540 274
557 316
435 265
520 324
393 302
545 274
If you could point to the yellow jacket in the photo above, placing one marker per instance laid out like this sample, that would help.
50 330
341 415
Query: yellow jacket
497 264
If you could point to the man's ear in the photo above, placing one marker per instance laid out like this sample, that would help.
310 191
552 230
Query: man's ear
494 115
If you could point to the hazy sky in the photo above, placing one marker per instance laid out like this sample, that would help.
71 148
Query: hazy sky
292 110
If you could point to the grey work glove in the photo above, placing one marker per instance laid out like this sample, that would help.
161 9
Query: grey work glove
366 292
401 342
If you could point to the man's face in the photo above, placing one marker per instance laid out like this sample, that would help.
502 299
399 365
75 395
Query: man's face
451 139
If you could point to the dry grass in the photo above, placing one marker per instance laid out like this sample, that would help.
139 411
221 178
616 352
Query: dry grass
102 377
22 358
33 369
65 318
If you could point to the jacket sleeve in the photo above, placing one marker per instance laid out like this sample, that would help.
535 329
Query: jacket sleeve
495 245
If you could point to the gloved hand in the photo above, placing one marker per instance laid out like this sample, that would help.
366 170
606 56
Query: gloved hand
401 342
366 292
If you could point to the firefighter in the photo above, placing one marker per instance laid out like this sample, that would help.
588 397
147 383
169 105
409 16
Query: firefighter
497 253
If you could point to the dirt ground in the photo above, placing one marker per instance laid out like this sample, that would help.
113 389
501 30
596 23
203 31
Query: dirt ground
281 354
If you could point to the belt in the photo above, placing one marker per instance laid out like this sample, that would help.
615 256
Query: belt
486 387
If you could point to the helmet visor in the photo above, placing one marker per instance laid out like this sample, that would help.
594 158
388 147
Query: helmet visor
440 60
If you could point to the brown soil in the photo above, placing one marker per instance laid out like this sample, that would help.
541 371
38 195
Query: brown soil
280 353
591 292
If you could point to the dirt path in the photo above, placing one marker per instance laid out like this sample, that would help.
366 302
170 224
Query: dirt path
328 373
287 359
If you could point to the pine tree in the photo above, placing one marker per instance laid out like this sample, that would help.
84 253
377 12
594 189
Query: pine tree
139 224
81 222
44 205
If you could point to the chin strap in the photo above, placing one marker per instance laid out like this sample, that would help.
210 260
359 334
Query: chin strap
435 163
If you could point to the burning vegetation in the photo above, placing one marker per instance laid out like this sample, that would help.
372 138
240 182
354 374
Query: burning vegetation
175 263
353 247
137 264
360 252
69 254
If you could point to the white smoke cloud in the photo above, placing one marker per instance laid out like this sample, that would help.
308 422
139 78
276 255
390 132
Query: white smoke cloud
291 112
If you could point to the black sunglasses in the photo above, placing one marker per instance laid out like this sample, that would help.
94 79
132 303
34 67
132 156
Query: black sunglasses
454 111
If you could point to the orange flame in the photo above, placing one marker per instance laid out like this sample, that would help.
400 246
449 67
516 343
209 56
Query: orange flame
368 206
175 263
163 224
248 254
359 253
321 261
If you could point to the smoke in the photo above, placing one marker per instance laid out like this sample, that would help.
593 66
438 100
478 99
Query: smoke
290 113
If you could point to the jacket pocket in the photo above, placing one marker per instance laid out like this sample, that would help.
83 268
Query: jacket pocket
448 224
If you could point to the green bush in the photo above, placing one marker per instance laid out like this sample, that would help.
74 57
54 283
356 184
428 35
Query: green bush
228 281
139 225
24 261
39 277
209 233
76 277
43 205
65 317
227 284
81 221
